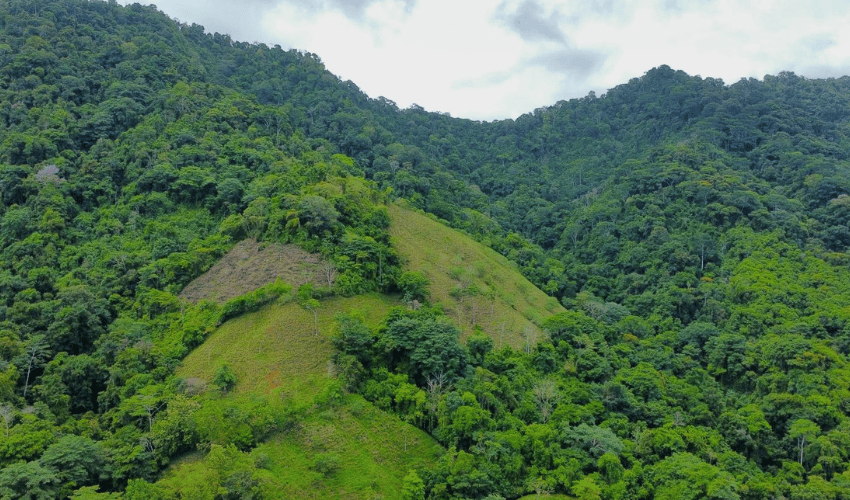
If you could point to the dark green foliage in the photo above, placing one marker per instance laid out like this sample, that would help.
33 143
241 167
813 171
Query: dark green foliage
242 485
479 345
423 346
77 461
686 476
80 377
28 480
317 215
224 378
326 464
557 420
545 358
354 338
697 334
414 286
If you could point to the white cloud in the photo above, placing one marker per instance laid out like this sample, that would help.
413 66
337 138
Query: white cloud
492 59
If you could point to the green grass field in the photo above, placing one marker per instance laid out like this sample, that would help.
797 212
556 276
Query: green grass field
374 452
279 346
369 450
475 285
277 352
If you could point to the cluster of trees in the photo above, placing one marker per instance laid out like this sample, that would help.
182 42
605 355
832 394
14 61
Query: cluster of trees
608 408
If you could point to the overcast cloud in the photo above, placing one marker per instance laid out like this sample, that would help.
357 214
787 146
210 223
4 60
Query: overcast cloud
487 60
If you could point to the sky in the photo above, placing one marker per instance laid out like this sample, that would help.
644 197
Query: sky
487 60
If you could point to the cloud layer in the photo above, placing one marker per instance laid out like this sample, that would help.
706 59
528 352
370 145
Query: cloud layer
531 22
491 59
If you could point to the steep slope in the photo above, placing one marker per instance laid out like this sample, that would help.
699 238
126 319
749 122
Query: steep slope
281 347
476 286
341 445
283 350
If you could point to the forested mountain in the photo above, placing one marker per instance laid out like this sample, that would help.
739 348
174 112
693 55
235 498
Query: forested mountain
696 232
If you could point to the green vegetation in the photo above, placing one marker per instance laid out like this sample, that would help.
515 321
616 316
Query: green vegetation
477 286
340 442
276 348
353 450
681 327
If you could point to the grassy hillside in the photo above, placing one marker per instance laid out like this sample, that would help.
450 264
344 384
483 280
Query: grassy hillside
278 348
373 450
284 351
278 352
351 450
475 285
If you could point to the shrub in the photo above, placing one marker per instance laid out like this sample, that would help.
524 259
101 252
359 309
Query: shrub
326 463
224 378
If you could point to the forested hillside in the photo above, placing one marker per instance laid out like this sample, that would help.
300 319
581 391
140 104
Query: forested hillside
696 232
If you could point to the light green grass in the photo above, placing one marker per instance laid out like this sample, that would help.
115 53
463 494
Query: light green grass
278 347
375 450
283 351
276 351
508 307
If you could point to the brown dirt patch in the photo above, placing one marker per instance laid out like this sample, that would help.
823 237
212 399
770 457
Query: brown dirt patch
250 265
274 380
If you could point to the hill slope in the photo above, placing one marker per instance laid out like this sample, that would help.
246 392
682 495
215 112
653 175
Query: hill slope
250 265
476 286
278 353
283 351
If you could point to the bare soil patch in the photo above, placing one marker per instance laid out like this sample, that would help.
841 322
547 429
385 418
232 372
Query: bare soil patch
251 264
